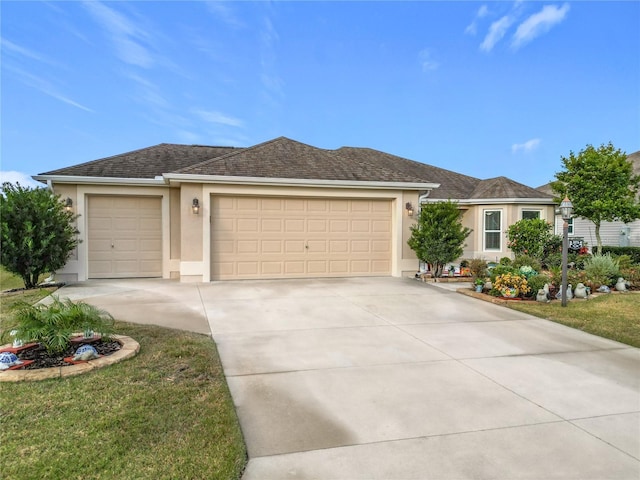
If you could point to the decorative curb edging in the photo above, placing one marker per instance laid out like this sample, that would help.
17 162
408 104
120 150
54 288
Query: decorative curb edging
129 349
482 296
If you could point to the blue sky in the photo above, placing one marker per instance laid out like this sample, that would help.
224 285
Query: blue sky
481 88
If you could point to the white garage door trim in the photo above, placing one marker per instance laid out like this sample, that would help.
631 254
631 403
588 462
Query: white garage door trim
124 236
295 237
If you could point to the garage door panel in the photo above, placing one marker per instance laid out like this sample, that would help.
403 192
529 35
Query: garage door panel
124 236
298 237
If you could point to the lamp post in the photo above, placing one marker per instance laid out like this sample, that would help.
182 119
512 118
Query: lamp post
566 209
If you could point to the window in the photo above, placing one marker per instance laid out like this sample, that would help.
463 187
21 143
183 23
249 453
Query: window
492 229
570 222
530 214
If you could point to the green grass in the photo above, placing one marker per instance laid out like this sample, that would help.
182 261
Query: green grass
164 414
613 316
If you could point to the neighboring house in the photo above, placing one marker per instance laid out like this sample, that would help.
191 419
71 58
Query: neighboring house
611 233
280 209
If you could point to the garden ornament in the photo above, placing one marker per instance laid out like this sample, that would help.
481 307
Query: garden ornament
569 293
581 291
542 296
604 289
546 289
17 343
8 359
85 352
621 285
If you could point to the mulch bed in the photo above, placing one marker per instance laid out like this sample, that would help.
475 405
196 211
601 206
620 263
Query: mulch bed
42 359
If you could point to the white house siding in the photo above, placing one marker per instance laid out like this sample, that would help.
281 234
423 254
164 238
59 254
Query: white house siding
609 232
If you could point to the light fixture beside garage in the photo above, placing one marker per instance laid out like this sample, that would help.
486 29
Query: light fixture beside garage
68 204
195 206
409 208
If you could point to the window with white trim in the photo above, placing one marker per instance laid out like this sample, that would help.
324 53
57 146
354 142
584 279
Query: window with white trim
530 214
570 223
492 229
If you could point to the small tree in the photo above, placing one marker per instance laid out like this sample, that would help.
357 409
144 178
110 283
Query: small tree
438 236
529 237
36 232
601 185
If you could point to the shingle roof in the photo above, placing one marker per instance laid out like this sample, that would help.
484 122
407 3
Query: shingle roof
503 187
145 163
286 158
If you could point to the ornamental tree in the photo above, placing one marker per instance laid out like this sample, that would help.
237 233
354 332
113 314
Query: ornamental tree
438 237
37 234
601 185
529 236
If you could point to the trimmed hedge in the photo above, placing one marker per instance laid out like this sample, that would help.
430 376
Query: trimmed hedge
633 252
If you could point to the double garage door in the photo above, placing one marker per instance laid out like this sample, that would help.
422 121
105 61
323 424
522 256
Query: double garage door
265 237
124 236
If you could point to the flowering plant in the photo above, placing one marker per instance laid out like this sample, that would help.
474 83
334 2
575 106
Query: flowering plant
508 281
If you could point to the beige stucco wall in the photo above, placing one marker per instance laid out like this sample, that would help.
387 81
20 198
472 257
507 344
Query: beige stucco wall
510 214
409 260
69 191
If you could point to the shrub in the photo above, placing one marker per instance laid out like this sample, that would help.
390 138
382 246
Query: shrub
633 252
478 267
529 236
501 270
602 269
53 325
527 261
36 231
536 282
553 260
505 261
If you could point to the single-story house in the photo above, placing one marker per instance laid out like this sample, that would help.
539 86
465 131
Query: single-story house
279 209
617 234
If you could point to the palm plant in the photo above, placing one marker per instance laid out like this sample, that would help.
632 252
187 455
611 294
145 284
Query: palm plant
53 325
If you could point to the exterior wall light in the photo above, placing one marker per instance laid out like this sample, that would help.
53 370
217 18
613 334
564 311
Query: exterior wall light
195 206
68 204
409 208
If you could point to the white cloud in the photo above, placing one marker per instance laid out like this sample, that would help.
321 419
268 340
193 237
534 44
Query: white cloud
497 30
224 12
124 33
23 179
45 87
426 60
472 28
526 147
539 23
218 118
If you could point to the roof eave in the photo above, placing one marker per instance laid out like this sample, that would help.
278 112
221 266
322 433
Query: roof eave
494 201
177 178
77 179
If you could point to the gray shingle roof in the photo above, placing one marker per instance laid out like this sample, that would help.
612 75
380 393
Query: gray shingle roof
503 187
286 158
144 163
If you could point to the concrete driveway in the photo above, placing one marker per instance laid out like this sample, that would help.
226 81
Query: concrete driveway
386 378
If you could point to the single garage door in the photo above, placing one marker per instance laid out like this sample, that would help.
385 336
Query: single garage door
124 236
265 237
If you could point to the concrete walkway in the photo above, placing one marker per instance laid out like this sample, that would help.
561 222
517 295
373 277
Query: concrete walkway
385 378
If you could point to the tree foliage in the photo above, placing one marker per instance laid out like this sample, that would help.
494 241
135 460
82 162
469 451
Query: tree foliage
529 236
36 231
438 237
601 185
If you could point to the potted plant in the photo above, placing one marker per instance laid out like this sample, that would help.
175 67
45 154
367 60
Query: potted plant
510 285
479 283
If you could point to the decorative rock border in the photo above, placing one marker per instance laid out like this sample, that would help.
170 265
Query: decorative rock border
129 349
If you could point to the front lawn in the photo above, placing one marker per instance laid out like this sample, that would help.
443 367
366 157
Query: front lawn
613 316
166 413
